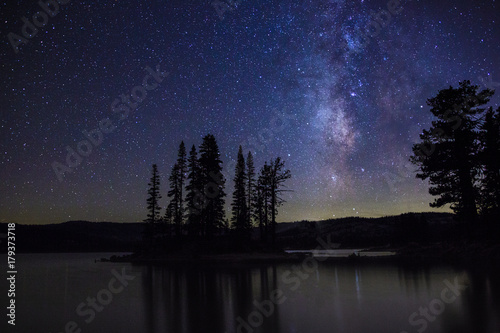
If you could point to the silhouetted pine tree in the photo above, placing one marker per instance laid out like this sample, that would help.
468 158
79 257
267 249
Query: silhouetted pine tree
490 159
447 155
174 195
153 205
277 177
261 201
181 164
239 219
168 221
212 212
250 187
194 194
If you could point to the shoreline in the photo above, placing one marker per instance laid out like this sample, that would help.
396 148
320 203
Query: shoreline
441 252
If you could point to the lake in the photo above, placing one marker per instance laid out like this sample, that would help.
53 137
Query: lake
70 292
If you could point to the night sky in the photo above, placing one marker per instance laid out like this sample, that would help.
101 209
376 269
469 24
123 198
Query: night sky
296 79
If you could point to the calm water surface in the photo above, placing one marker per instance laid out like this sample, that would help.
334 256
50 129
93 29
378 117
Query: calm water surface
54 290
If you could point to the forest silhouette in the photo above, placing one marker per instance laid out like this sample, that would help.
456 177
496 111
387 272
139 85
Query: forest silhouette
196 208
459 155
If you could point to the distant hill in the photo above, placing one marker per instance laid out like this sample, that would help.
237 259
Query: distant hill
368 232
77 236
84 236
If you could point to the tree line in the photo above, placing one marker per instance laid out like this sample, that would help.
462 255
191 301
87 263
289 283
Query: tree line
196 197
460 153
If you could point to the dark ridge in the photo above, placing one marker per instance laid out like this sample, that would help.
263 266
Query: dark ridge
390 231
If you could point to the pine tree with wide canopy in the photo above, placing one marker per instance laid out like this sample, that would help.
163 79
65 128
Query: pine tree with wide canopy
448 154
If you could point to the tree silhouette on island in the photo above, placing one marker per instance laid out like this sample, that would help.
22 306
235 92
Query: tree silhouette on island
195 212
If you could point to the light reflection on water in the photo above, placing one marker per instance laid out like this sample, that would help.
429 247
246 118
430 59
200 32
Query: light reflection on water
341 253
347 297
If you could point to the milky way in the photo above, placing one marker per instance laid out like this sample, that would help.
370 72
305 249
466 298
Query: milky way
337 89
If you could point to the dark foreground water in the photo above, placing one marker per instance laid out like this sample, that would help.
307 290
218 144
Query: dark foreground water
69 293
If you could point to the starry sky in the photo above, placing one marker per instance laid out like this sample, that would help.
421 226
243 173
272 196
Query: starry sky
339 96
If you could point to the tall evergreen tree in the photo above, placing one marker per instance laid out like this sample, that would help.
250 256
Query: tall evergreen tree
194 197
490 160
174 195
277 177
153 205
250 187
181 164
154 196
212 212
262 202
239 205
168 221
447 155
